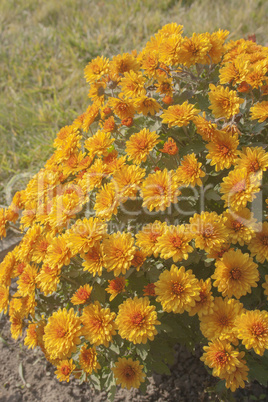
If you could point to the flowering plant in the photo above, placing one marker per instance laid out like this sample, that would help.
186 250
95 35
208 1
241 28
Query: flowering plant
144 228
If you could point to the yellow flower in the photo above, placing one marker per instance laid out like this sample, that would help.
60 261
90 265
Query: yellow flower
31 339
6 269
40 247
107 201
220 323
222 150
136 320
98 144
205 304
140 144
98 324
139 259
194 50
120 64
127 180
159 190
122 107
208 230
234 71
259 111
58 252
224 103
235 274
254 159
258 245
132 84
48 278
90 115
239 188
147 237
94 176
27 280
28 242
190 172
241 225
62 334
238 377
205 128
221 357
252 328
85 233
179 115
217 46
128 373
82 295
175 243
16 320
3 222
169 49
164 86
94 260
96 69
265 286
177 290
88 359
4 298
146 105
64 370
115 287
118 252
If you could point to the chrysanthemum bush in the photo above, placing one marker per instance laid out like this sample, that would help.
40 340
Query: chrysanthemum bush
147 226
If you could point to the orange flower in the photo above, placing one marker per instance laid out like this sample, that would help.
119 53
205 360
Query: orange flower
140 144
115 287
179 115
170 147
82 295
149 290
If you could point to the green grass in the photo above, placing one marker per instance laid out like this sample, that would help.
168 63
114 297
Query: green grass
45 46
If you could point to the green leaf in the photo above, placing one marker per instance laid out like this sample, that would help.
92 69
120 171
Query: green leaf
160 367
115 348
258 369
212 195
142 350
111 393
99 293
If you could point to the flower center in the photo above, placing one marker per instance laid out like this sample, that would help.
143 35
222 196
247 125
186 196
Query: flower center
153 237
237 226
224 321
265 240
137 319
82 294
254 166
129 372
236 273
65 370
257 329
177 288
60 332
203 297
143 144
117 285
224 150
176 241
221 358
239 187
208 232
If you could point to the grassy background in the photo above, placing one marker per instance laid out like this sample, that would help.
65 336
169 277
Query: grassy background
45 46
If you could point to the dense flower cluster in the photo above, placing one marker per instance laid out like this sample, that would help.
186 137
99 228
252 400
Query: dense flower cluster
148 217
